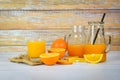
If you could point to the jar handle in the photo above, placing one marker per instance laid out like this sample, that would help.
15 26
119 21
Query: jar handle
108 45
66 37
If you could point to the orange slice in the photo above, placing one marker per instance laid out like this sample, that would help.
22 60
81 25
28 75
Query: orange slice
93 58
49 59
64 62
76 59
68 57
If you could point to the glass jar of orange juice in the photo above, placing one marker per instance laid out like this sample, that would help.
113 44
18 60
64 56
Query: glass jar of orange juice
36 47
76 41
96 42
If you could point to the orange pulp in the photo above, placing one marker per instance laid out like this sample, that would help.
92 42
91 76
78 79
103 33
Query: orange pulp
35 48
76 50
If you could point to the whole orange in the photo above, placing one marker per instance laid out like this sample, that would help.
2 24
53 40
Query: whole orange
59 43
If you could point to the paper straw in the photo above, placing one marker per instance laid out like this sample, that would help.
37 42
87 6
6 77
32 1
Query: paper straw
98 29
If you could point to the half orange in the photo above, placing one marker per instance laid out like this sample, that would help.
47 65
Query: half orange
49 59
61 51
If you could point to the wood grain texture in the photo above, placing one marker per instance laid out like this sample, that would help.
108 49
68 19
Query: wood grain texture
47 20
17 29
21 37
23 20
16 40
59 4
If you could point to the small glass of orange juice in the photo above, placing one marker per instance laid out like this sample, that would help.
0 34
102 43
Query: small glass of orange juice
35 48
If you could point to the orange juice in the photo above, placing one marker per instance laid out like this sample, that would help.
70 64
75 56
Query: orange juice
96 49
76 50
35 48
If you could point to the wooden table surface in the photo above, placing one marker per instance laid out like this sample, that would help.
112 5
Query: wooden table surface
109 70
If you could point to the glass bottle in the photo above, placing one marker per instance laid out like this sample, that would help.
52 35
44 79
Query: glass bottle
76 41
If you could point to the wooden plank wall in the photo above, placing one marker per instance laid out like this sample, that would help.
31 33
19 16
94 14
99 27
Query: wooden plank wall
23 20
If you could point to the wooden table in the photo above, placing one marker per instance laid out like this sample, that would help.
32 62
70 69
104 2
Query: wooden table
109 70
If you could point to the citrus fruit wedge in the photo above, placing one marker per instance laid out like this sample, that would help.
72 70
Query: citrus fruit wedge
68 57
74 59
64 62
93 58
49 59
61 51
